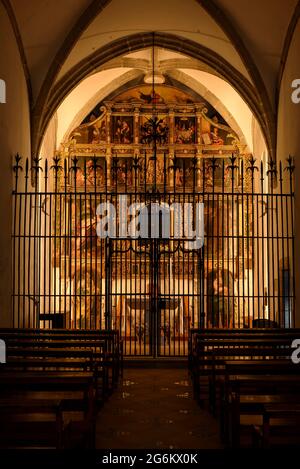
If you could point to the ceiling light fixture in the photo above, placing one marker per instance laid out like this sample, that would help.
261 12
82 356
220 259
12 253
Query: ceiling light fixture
155 77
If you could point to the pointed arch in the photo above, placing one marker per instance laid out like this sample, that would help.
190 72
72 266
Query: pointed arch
172 42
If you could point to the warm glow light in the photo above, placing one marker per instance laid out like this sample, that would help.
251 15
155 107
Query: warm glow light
157 78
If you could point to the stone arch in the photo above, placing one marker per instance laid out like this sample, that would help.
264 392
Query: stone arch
178 76
169 41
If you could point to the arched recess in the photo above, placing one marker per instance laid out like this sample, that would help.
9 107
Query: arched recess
178 77
168 41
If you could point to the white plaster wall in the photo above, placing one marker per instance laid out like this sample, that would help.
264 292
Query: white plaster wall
14 137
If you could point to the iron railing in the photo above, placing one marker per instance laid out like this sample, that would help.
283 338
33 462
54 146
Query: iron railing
153 289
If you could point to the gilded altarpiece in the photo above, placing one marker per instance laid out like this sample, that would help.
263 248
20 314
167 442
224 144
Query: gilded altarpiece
196 156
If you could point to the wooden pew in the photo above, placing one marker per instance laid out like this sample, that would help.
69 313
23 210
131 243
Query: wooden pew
280 426
251 385
235 404
105 367
196 333
241 364
31 422
211 352
199 341
112 346
47 363
112 337
60 355
76 392
253 361
204 343
60 359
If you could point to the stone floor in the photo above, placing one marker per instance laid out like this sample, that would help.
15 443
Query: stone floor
154 408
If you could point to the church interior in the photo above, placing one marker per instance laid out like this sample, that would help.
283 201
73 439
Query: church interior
149 235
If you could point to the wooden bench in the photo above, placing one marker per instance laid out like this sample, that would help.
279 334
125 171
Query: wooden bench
200 340
265 361
280 426
111 336
194 334
236 386
96 346
60 359
243 371
69 366
36 362
31 422
233 404
112 346
57 363
211 353
76 392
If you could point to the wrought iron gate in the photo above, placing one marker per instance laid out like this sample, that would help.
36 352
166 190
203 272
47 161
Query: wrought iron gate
154 306
153 289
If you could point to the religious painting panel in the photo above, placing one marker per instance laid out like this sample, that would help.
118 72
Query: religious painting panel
185 175
148 126
185 129
78 257
122 171
156 169
90 173
92 131
163 94
122 129
215 132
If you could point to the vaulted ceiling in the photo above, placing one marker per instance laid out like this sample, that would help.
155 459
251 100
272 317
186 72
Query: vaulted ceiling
249 38
45 24
179 70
